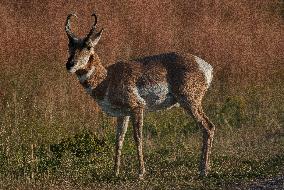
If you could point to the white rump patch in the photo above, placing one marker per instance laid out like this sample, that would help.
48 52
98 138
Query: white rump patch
206 68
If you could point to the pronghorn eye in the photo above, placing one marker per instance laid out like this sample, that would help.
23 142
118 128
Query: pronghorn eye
89 48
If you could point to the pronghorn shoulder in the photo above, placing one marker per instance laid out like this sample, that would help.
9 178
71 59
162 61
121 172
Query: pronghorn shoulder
125 68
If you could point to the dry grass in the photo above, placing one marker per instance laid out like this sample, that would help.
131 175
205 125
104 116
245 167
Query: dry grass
53 136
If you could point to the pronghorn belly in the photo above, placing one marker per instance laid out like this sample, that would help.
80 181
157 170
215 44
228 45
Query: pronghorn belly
153 97
111 109
157 97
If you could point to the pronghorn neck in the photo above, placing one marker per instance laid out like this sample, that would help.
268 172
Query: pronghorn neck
93 74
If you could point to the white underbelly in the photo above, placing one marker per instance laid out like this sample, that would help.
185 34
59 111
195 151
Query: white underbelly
153 98
157 97
111 109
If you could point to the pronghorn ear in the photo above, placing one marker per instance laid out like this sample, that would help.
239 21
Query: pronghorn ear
94 38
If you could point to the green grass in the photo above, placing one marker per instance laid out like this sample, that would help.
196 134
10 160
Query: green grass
85 161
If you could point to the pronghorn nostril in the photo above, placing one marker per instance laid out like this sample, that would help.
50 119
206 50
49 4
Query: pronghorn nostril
68 66
70 63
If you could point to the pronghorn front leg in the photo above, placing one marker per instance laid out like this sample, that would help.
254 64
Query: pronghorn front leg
122 124
137 119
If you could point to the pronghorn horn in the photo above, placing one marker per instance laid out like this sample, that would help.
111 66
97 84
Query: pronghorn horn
93 29
96 20
69 33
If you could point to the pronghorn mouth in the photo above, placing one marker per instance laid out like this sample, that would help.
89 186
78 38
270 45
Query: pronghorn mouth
71 71
75 69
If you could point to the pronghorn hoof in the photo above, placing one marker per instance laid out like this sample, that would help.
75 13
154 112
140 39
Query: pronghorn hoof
141 176
116 173
203 174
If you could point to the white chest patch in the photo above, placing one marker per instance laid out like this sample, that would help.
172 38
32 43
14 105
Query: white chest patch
89 90
206 68
83 78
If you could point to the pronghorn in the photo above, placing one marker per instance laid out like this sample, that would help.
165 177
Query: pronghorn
128 89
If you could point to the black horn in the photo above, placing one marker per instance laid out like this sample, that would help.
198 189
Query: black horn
96 20
93 29
69 33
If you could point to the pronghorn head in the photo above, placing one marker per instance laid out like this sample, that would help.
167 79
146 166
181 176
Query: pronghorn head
81 51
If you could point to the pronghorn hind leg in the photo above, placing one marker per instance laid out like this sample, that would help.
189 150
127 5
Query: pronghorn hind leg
137 120
208 134
122 124
208 129
189 94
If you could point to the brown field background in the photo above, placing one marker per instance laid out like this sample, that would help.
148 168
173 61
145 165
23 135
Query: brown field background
242 39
